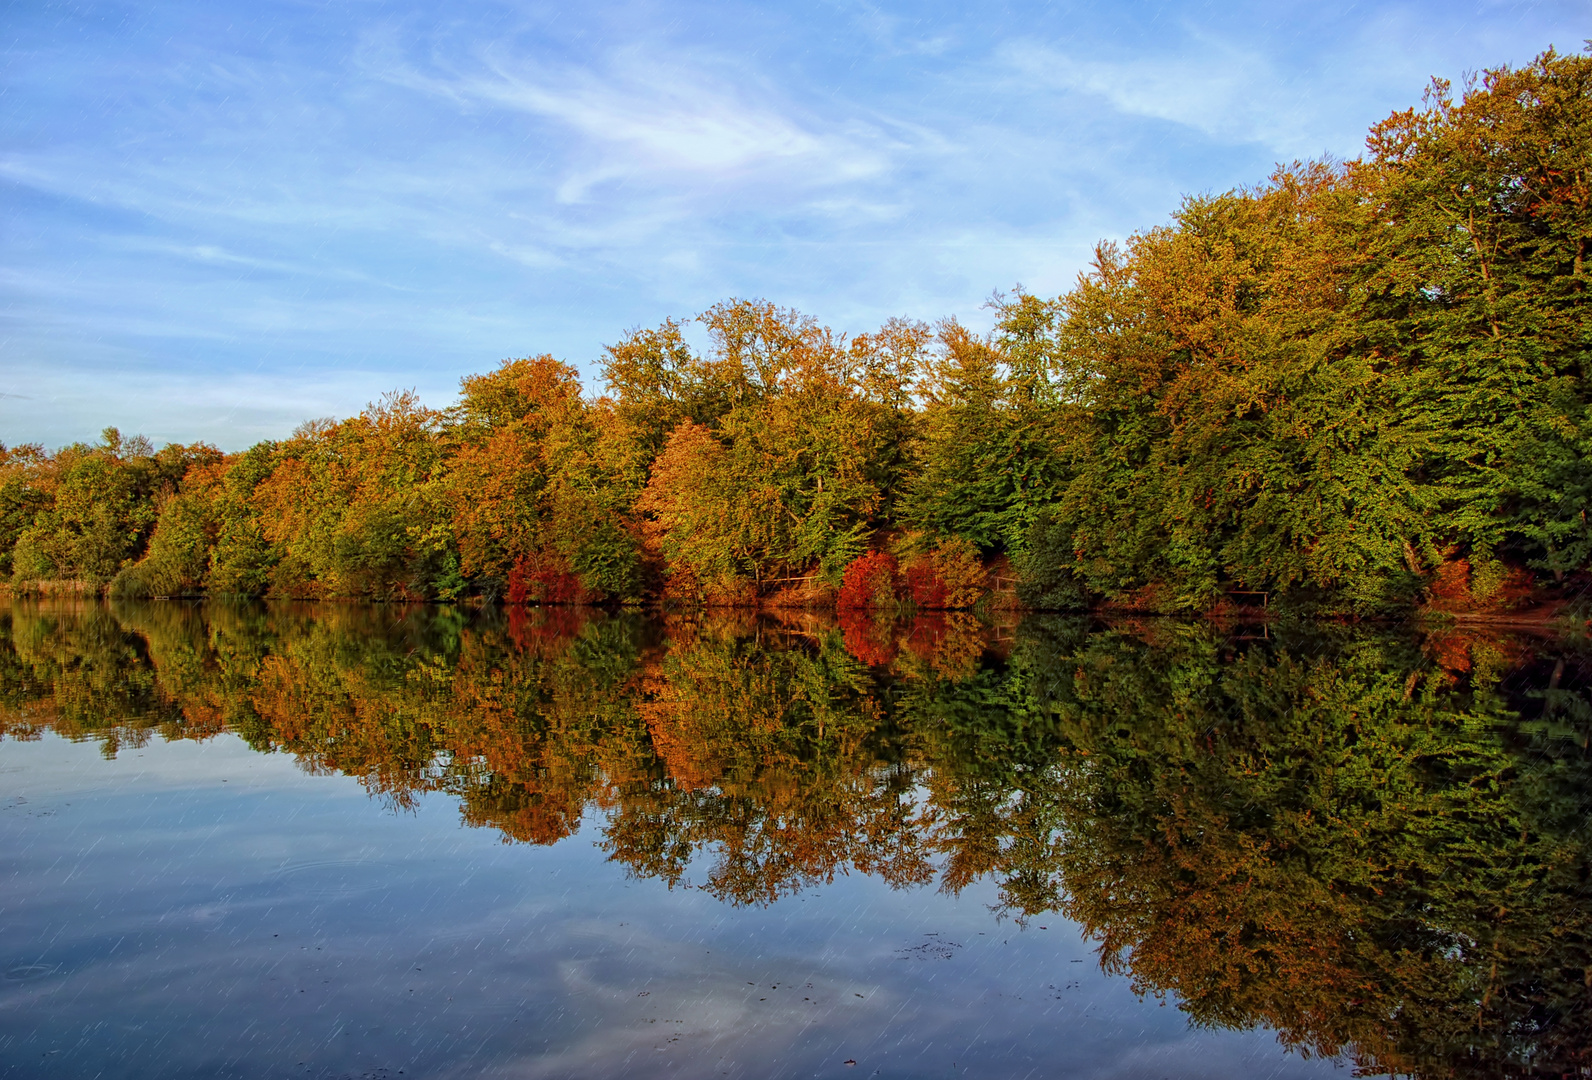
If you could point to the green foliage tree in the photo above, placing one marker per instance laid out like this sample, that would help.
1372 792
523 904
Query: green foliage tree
1341 385
26 488
350 506
1480 277
101 506
991 456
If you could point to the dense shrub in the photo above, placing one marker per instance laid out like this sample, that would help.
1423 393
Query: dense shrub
871 583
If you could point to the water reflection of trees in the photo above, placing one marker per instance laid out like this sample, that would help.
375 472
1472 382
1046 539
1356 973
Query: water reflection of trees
1335 836
1374 842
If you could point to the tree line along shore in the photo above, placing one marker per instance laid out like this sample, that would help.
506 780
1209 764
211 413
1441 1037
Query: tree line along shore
1358 388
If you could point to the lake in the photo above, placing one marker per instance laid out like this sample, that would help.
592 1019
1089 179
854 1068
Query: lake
378 841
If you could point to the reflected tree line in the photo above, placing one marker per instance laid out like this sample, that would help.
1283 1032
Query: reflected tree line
1373 841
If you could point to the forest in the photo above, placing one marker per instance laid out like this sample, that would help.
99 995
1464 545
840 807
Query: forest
1359 387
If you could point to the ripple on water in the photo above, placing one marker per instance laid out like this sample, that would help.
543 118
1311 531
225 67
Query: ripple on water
24 972
332 879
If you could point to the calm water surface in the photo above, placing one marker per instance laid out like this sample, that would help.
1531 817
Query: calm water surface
374 841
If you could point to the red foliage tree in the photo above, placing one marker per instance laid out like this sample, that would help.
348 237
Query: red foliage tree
871 581
925 585
519 588
544 580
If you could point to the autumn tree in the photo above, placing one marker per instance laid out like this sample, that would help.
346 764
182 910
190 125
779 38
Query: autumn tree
539 481
354 507
787 480
95 506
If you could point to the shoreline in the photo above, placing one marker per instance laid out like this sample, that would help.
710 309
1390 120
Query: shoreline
1547 617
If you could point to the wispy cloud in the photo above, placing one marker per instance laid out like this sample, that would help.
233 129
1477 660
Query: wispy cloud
1218 88
634 117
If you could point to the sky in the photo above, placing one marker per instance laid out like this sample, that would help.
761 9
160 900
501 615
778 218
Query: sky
219 219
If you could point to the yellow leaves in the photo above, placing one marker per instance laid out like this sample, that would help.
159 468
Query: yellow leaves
782 481
886 362
492 487
685 493
538 391
964 371
1186 311
773 349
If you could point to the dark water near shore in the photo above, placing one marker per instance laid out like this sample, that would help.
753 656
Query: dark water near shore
322 841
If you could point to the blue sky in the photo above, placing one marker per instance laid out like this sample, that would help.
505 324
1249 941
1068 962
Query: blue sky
223 218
